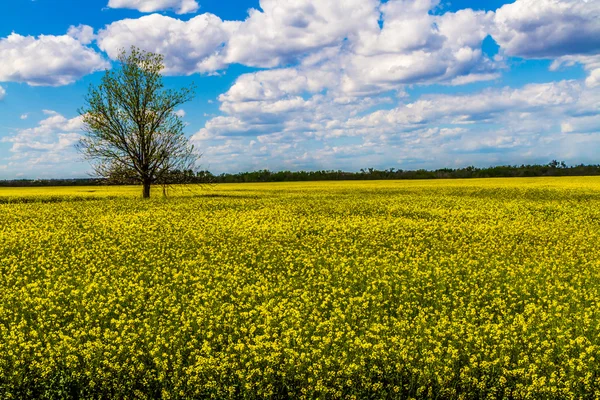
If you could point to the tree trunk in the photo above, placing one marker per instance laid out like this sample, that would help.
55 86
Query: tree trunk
146 194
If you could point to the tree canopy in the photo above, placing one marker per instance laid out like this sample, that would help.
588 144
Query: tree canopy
132 130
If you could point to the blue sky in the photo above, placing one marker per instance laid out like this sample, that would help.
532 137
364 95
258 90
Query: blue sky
316 84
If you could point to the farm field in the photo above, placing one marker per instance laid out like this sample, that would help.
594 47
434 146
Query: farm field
482 288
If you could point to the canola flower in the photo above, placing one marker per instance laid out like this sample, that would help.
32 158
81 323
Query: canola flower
395 289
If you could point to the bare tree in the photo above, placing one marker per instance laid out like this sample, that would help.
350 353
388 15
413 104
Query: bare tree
132 131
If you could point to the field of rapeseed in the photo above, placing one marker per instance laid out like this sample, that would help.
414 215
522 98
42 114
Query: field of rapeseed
410 289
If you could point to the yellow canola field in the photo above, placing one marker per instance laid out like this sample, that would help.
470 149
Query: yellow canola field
393 289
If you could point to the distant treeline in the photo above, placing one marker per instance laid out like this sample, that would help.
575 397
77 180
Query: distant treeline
553 168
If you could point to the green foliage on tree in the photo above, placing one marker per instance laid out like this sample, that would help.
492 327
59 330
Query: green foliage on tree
132 132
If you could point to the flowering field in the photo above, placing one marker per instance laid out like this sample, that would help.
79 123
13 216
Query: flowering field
395 289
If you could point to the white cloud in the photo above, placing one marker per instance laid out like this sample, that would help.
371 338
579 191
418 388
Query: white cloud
415 46
567 31
590 63
484 107
412 47
345 39
593 80
24 116
475 77
267 107
581 124
148 6
504 125
180 113
275 84
286 30
188 46
2 93
46 61
426 148
548 28
334 62
342 38
49 143
82 33
380 60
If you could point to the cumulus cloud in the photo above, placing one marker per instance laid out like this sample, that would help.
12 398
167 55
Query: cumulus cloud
50 142
284 31
322 95
343 38
415 46
47 60
548 28
2 93
491 126
590 63
484 107
189 47
372 46
566 31
412 47
275 84
346 40
333 63
292 101
148 6
82 33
